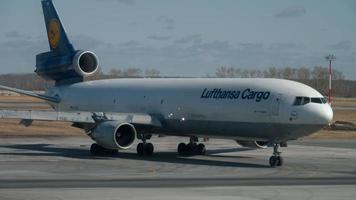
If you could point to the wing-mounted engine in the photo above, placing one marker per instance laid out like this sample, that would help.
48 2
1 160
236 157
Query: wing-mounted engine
253 144
114 135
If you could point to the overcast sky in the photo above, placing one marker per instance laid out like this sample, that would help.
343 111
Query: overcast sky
187 37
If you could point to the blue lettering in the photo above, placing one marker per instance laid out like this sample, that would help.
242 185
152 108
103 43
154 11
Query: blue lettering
218 93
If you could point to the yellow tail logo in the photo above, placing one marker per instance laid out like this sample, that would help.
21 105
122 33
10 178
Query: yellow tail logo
54 33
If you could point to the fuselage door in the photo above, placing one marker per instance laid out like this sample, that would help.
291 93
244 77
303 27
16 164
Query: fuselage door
276 104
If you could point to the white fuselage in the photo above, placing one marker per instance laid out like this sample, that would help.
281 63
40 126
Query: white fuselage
228 108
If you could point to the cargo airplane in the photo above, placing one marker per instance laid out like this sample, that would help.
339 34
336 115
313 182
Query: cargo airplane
255 112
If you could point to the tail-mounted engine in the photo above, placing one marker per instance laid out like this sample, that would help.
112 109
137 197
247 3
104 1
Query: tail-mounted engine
85 63
69 68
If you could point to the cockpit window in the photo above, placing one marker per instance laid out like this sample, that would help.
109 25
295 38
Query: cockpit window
298 101
305 100
301 101
316 100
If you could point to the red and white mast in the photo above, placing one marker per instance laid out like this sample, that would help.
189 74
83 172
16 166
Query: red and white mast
330 58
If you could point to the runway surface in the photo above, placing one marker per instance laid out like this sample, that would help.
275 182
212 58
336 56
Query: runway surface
62 168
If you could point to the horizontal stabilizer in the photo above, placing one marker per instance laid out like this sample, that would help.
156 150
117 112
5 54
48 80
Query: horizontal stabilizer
31 94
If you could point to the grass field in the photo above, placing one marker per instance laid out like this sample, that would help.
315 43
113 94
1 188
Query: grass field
11 128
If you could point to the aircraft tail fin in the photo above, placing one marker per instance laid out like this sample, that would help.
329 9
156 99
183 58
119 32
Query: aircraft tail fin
57 36
62 64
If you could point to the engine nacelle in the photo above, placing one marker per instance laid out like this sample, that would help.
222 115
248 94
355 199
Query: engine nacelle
114 135
85 63
70 67
253 144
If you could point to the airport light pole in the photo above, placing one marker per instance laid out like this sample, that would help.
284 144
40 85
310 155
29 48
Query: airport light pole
330 58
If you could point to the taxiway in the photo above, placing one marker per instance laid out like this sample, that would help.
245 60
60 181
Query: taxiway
62 168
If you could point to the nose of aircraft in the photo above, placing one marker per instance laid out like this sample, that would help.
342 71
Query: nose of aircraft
327 115
322 114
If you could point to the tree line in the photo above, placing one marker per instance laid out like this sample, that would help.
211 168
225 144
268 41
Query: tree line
303 73
316 77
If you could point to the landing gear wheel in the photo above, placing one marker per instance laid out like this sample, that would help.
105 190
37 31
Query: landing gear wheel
94 149
201 150
140 149
182 149
279 161
276 159
97 150
191 149
149 149
145 149
273 161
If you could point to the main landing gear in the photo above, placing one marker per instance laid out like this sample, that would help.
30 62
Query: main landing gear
192 148
97 150
276 159
144 148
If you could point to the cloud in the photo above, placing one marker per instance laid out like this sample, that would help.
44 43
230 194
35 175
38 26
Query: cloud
286 47
15 34
125 2
130 43
251 45
87 42
194 38
216 45
166 22
291 12
160 38
342 45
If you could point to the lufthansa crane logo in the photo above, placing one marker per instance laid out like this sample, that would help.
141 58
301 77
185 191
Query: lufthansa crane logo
54 33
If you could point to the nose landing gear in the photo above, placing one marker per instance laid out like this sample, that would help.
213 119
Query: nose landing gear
276 159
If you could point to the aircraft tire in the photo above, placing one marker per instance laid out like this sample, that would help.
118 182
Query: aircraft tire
94 149
273 161
97 150
201 150
182 149
140 149
279 161
148 148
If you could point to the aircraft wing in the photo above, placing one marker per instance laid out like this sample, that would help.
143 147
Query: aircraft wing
80 117
75 117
